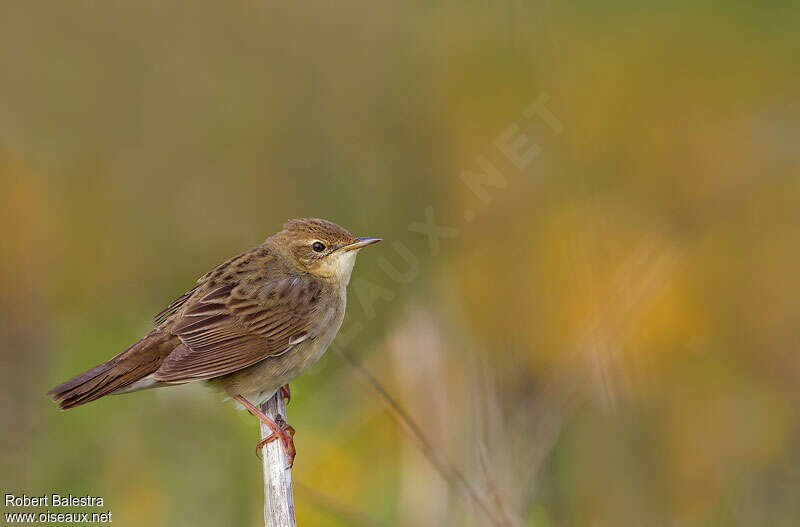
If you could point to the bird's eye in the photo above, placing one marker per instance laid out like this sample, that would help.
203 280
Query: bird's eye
318 247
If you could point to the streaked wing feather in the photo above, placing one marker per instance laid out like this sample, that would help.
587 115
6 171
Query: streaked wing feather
235 326
173 308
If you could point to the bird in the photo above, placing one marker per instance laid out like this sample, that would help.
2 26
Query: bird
249 326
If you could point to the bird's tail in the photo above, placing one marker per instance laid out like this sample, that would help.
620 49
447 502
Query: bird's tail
138 361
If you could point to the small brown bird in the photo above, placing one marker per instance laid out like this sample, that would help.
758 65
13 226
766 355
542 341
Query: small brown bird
251 325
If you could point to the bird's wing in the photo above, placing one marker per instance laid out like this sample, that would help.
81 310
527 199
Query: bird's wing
173 308
236 325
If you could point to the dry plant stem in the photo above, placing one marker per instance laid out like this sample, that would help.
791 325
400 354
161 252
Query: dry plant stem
278 494
451 474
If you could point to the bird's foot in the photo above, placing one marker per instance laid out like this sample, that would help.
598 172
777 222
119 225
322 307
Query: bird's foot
286 393
284 433
281 430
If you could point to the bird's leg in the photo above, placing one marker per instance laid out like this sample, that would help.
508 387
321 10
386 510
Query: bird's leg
280 430
286 393
287 441
286 428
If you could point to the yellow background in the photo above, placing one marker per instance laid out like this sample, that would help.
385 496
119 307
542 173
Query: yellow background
609 340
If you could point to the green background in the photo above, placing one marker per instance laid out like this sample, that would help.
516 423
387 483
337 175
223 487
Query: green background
609 339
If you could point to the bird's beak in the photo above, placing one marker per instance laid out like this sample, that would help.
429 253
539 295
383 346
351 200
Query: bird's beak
360 243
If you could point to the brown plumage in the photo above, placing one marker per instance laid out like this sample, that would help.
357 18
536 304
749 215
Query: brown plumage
251 324
139 360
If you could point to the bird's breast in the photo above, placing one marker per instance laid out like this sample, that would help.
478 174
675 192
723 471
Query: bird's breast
262 379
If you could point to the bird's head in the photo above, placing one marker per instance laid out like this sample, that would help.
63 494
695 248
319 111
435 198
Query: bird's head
321 247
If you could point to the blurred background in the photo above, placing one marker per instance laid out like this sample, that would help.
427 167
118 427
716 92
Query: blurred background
588 296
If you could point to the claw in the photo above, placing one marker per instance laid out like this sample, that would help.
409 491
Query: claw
286 393
281 431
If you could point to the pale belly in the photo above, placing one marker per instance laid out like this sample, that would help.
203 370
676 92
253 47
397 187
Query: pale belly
260 381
